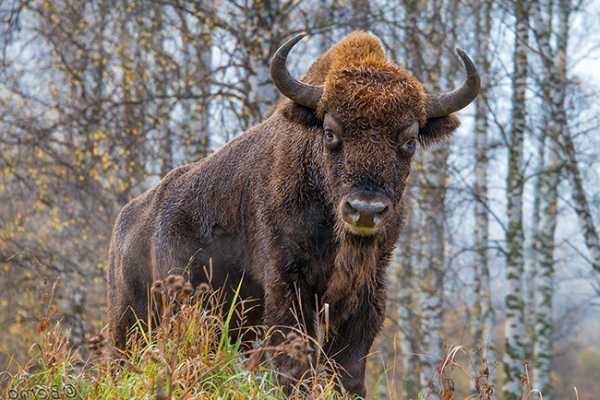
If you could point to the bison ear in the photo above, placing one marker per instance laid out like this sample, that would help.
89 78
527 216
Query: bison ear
299 114
437 129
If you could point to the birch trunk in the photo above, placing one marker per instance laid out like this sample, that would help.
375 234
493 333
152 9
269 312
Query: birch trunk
162 109
408 246
264 37
432 192
554 92
538 193
515 324
407 313
484 318
531 267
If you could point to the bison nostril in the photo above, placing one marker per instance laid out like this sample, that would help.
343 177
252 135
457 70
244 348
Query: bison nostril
351 212
367 207
350 206
365 212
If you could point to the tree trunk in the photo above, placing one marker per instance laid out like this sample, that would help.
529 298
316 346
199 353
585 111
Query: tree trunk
515 324
407 313
484 317
432 199
533 259
264 37
408 246
554 93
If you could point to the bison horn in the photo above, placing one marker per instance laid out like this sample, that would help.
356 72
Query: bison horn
301 93
441 105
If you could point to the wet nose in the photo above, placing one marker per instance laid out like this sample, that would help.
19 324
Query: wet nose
365 209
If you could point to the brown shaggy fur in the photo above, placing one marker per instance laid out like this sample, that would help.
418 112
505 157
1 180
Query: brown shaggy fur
265 209
362 86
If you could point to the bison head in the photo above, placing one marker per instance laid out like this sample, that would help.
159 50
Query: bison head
373 115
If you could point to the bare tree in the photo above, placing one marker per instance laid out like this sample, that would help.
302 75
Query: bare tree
483 315
554 61
515 324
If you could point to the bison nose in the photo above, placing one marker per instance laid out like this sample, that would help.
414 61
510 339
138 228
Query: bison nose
367 208
365 211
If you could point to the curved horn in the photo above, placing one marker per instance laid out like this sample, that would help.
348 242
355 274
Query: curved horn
301 93
441 105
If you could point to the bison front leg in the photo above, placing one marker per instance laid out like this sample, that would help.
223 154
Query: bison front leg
352 342
290 349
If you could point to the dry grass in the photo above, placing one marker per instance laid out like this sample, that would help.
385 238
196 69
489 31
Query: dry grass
188 355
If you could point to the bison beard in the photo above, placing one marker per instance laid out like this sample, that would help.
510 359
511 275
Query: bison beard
355 268
264 209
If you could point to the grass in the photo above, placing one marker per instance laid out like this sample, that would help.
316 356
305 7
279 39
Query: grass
188 355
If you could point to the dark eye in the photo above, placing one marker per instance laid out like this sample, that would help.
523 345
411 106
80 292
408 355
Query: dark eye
410 146
331 139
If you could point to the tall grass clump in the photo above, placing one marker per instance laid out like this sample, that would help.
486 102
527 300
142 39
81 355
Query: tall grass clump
186 353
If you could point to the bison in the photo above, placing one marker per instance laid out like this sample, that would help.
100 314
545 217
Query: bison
304 208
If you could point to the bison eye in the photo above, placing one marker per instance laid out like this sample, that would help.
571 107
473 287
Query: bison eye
410 146
331 139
